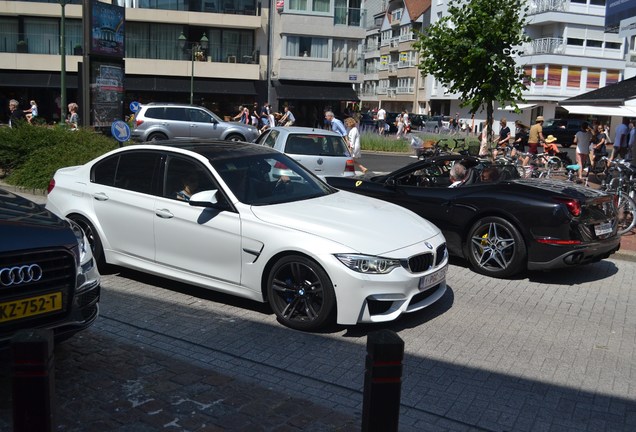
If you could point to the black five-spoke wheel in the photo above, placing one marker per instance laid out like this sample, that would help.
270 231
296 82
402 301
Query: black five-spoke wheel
300 293
495 247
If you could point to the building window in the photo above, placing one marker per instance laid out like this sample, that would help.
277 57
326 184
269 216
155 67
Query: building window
593 78
594 43
575 41
612 77
298 5
540 76
597 2
320 6
299 46
527 75
554 75
9 34
613 45
344 55
574 77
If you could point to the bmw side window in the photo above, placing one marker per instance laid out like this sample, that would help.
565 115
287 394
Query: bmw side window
104 171
184 178
137 171
270 140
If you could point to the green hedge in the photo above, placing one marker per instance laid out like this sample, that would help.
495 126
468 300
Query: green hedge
30 155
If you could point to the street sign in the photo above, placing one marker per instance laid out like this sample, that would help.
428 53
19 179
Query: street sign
135 106
120 131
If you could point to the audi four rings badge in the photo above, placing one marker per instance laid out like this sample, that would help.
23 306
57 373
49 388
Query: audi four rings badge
12 276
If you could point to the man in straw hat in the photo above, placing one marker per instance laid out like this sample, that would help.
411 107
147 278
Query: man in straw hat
535 138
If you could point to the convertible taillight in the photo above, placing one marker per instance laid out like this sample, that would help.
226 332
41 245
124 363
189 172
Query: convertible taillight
573 205
552 241
51 185
350 166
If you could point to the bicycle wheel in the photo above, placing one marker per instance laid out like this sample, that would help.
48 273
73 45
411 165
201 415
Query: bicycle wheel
626 214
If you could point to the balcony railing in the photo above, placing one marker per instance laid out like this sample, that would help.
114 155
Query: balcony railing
540 6
406 64
383 67
391 92
382 90
371 47
407 37
545 46
353 17
395 42
393 67
405 90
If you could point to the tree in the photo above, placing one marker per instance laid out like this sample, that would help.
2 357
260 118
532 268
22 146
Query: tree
471 52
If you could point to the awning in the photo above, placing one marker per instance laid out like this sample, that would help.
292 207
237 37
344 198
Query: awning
520 106
306 90
36 79
618 111
182 85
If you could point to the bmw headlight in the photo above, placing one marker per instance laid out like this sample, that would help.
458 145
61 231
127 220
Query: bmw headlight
368 264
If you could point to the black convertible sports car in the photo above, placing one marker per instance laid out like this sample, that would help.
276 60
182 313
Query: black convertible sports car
505 226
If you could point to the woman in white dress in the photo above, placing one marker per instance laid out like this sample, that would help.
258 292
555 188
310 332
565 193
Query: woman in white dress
354 142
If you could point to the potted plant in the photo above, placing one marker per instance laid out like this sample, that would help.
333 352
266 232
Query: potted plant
22 46
77 50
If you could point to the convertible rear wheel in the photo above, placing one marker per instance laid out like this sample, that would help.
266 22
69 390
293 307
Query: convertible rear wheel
495 247
300 293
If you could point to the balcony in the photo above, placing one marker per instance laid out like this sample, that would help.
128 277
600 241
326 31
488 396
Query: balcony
406 64
395 42
545 46
405 90
393 67
541 6
391 92
370 47
382 90
352 17
383 67
407 37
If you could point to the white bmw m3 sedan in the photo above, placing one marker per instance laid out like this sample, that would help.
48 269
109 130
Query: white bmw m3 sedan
213 214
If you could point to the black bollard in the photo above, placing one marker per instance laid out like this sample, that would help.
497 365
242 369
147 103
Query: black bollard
382 382
33 379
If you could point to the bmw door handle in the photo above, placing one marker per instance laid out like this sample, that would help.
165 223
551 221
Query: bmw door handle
100 196
164 213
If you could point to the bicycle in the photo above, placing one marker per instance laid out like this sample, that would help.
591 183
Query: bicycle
621 182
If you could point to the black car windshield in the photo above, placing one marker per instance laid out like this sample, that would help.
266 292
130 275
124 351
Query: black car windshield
271 178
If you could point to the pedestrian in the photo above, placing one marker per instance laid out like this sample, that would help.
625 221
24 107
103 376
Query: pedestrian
483 140
381 116
32 112
354 143
15 115
256 116
407 121
535 137
619 149
599 147
504 137
288 118
399 122
550 146
243 115
73 119
630 142
582 140
336 125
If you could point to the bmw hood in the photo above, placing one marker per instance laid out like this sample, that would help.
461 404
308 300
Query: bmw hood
364 224
27 225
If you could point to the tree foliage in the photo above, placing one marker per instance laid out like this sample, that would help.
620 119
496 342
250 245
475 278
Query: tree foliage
472 50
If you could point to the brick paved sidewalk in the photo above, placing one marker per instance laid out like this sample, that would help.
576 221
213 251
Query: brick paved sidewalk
125 387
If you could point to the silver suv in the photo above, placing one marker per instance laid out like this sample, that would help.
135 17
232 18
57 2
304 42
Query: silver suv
160 121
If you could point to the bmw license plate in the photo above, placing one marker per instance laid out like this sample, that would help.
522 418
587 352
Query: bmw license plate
604 228
23 308
432 279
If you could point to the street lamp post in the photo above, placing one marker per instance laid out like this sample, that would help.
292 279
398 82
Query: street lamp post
196 49
63 64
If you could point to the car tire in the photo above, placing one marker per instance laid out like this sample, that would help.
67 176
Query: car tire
234 137
300 293
157 136
93 239
494 247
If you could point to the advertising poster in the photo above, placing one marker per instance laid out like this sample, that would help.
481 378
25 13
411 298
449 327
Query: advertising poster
107 30
107 93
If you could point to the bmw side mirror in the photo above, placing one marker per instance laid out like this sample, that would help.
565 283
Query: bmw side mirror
390 182
204 199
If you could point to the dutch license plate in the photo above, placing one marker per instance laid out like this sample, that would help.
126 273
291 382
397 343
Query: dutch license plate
31 306
432 279
604 228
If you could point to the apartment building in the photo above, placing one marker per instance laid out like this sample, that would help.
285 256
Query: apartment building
392 79
305 53
316 61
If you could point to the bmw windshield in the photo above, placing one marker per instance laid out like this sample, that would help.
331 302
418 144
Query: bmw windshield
271 178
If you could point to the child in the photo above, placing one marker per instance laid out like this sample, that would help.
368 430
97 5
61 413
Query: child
32 112
549 146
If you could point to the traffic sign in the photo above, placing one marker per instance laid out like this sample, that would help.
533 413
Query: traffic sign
120 130
135 106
